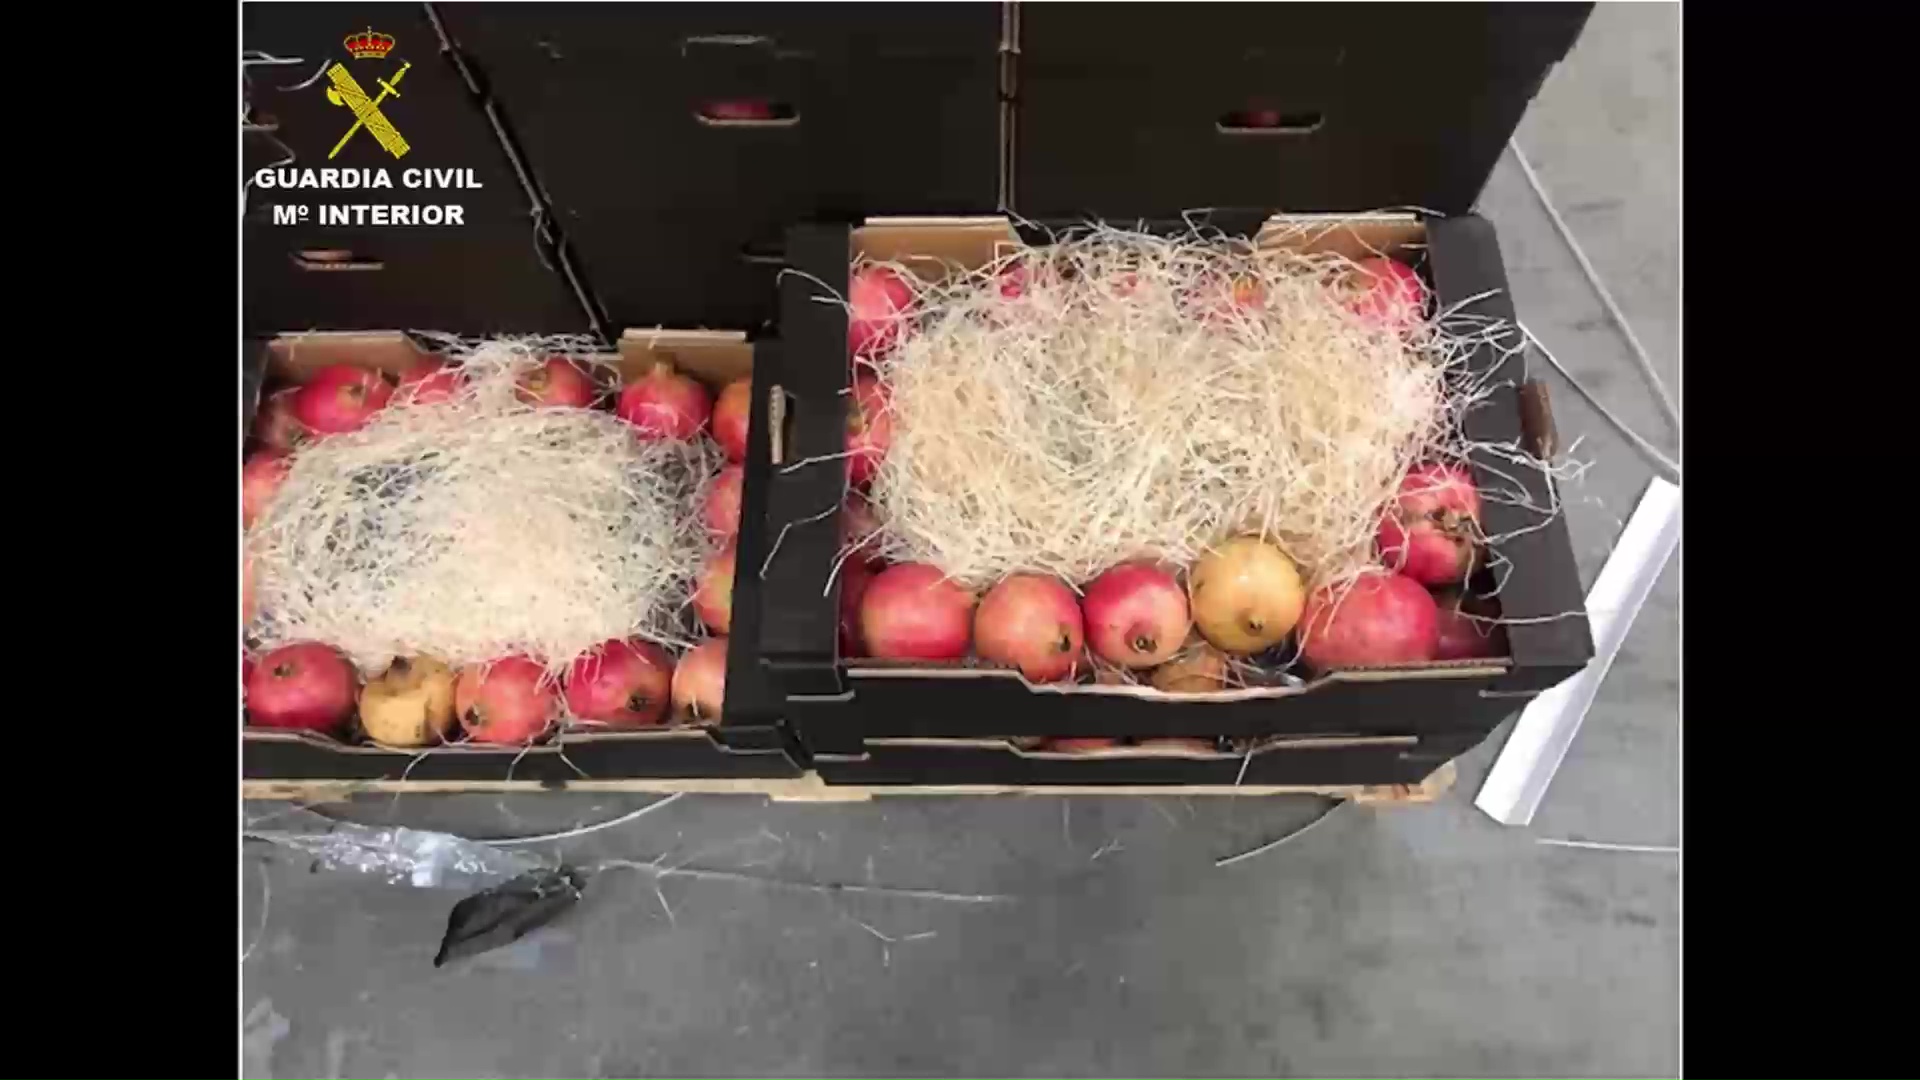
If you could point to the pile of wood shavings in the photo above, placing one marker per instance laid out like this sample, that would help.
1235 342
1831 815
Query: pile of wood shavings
482 527
1119 395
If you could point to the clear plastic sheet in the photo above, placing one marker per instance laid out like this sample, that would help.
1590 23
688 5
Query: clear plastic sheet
399 855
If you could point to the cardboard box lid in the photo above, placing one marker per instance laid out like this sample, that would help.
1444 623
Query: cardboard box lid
1148 110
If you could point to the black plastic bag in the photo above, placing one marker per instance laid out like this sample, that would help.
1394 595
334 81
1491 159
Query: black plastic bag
508 912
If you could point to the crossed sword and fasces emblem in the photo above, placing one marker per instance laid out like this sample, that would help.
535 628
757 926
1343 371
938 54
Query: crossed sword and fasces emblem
366 111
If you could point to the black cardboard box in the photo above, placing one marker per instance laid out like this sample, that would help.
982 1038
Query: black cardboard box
1148 113
323 247
674 143
314 293
748 742
847 712
1134 110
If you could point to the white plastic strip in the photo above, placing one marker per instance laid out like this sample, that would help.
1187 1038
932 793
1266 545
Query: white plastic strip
1519 778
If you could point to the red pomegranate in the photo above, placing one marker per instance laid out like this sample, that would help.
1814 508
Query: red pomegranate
1431 532
713 593
1467 630
746 109
509 702
277 427
246 591
732 411
341 398
429 382
1078 746
1137 615
306 686
722 511
623 683
559 383
1221 299
859 529
1382 619
855 576
869 429
1392 295
880 298
260 480
912 612
1013 280
700 682
1032 623
664 404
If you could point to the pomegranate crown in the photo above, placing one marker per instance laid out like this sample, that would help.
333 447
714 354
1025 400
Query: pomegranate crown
367 45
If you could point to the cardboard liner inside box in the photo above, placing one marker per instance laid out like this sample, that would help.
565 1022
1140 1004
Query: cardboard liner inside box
746 742
837 703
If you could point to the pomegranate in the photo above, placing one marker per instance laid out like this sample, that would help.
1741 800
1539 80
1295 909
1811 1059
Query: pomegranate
1219 298
411 704
1382 619
855 576
1247 595
1078 746
664 404
1431 532
260 480
1198 671
879 297
1137 615
746 109
731 412
713 593
306 686
1032 623
722 512
341 398
1466 632
559 383
912 612
860 528
1013 280
1179 745
277 427
429 382
700 682
622 683
1392 295
246 672
246 591
869 429
509 702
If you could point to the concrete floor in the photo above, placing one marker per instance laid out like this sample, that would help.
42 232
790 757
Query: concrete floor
1396 942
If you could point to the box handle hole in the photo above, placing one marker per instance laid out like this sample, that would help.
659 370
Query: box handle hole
747 113
327 259
1269 122
764 253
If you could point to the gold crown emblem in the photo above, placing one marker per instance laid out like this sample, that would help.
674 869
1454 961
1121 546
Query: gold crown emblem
368 45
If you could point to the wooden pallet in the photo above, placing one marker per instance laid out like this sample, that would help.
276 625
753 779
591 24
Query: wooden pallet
810 788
